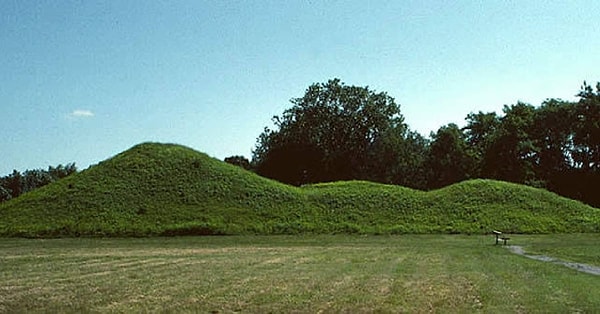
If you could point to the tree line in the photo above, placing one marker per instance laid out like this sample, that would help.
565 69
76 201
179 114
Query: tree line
17 183
340 132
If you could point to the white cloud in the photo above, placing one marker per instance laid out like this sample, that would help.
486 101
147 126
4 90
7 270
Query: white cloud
82 113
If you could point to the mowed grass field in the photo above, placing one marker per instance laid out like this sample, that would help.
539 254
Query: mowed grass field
305 274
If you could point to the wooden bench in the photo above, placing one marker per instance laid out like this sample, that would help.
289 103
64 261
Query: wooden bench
499 237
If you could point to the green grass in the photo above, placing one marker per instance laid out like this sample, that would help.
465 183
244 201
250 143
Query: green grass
163 189
579 248
305 274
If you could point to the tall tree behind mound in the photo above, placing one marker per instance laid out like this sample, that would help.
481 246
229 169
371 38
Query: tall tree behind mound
334 132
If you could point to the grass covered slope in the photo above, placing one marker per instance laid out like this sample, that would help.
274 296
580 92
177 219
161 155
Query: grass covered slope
165 189
473 206
150 189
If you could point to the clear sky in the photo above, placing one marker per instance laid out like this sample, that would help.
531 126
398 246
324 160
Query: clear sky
81 81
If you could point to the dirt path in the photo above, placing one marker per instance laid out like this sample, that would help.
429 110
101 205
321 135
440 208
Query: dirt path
594 270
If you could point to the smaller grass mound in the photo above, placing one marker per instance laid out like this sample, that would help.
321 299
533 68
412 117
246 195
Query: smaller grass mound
511 207
475 206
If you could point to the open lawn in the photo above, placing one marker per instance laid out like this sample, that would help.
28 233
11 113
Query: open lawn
316 273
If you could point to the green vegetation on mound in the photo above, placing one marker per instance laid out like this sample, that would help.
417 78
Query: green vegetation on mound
165 189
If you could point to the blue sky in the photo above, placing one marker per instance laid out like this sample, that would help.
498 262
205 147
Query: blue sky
81 81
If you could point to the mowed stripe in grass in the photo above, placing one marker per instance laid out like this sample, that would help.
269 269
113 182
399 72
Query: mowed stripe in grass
287 274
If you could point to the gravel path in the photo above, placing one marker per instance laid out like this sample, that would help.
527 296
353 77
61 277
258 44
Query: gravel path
594 270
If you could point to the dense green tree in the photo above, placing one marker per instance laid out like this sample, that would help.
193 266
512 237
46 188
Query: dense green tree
327 135
586 135
5 194
479 133
62 171
18 183
239 161
512 151
33 179
398 157
552 131
582 179
449 160
14 183
292 162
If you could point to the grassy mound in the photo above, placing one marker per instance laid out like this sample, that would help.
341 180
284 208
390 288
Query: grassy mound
165 189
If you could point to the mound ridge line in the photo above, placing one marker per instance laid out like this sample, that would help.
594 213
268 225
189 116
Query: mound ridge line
166 189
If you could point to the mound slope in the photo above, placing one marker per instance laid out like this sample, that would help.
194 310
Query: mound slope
166 189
